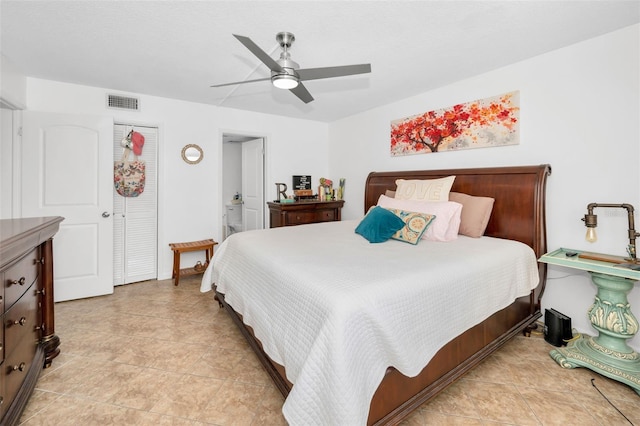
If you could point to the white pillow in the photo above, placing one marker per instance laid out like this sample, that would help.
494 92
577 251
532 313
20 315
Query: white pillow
446 224
424 190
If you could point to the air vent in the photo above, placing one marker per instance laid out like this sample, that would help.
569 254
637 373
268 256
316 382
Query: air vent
123 102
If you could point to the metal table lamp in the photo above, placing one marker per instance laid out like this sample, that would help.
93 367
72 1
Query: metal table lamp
591 221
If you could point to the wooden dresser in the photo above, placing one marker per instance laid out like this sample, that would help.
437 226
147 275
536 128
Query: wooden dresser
28 340
300 213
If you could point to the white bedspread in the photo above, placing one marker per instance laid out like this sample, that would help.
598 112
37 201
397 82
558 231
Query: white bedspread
336 311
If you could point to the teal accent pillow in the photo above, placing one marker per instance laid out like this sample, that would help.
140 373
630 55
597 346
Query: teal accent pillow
416 224
379 225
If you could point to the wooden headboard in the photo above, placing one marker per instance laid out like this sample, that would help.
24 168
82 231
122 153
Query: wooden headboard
519 193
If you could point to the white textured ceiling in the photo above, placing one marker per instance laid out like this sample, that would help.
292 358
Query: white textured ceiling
177 49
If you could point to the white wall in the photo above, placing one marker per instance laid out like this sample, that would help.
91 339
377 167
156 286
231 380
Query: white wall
580 112
190 196
13 85
6 164
13 95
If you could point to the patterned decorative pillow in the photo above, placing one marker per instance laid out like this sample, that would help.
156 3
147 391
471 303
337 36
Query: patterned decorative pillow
379 225
447 223
416 224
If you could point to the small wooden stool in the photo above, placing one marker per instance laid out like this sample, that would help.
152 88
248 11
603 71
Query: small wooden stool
179 248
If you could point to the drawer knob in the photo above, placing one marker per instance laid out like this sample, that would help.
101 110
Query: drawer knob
40 327
18 367
21 321
21 281
39 261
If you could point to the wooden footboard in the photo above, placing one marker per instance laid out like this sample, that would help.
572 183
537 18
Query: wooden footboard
518 214
399 395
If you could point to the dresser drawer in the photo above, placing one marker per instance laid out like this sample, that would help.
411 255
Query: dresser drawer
325 215
301 217
16 365
19 276
21 323
4 402
303 212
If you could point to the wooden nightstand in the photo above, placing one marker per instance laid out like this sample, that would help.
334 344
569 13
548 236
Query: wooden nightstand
303 212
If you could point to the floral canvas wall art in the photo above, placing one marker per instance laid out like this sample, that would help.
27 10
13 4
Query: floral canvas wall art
482 123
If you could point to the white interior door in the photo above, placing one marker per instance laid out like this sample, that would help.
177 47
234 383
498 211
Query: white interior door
252 184
135 219
67 170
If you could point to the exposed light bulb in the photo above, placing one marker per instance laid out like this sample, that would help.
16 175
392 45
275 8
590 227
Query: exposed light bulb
591 236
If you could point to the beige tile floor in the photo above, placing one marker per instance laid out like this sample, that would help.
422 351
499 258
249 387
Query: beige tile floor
156 354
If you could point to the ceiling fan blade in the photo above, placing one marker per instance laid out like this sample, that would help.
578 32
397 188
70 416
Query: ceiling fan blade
328 72
241 82
301 92
261 54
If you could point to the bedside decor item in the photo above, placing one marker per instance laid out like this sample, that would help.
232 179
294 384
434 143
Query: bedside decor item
325 190
607 353
341 189
482 123
302 187
281 192
192 154
591 221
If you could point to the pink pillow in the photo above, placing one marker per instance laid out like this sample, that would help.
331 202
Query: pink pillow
446 224
476 212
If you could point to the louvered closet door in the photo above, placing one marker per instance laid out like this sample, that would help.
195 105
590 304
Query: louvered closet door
135 219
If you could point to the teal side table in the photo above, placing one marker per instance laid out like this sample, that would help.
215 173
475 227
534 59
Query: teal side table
610 314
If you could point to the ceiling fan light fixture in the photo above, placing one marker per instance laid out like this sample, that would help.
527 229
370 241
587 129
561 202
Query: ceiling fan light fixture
284 81
286 73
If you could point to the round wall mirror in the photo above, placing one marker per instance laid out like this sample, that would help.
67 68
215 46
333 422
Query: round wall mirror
192 154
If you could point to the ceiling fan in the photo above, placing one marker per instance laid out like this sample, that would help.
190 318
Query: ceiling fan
286 74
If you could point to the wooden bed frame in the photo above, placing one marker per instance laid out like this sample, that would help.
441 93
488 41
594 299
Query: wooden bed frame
518 214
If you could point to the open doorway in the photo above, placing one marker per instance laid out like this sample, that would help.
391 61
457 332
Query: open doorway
243 166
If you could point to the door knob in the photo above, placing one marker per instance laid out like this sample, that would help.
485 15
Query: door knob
105 214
